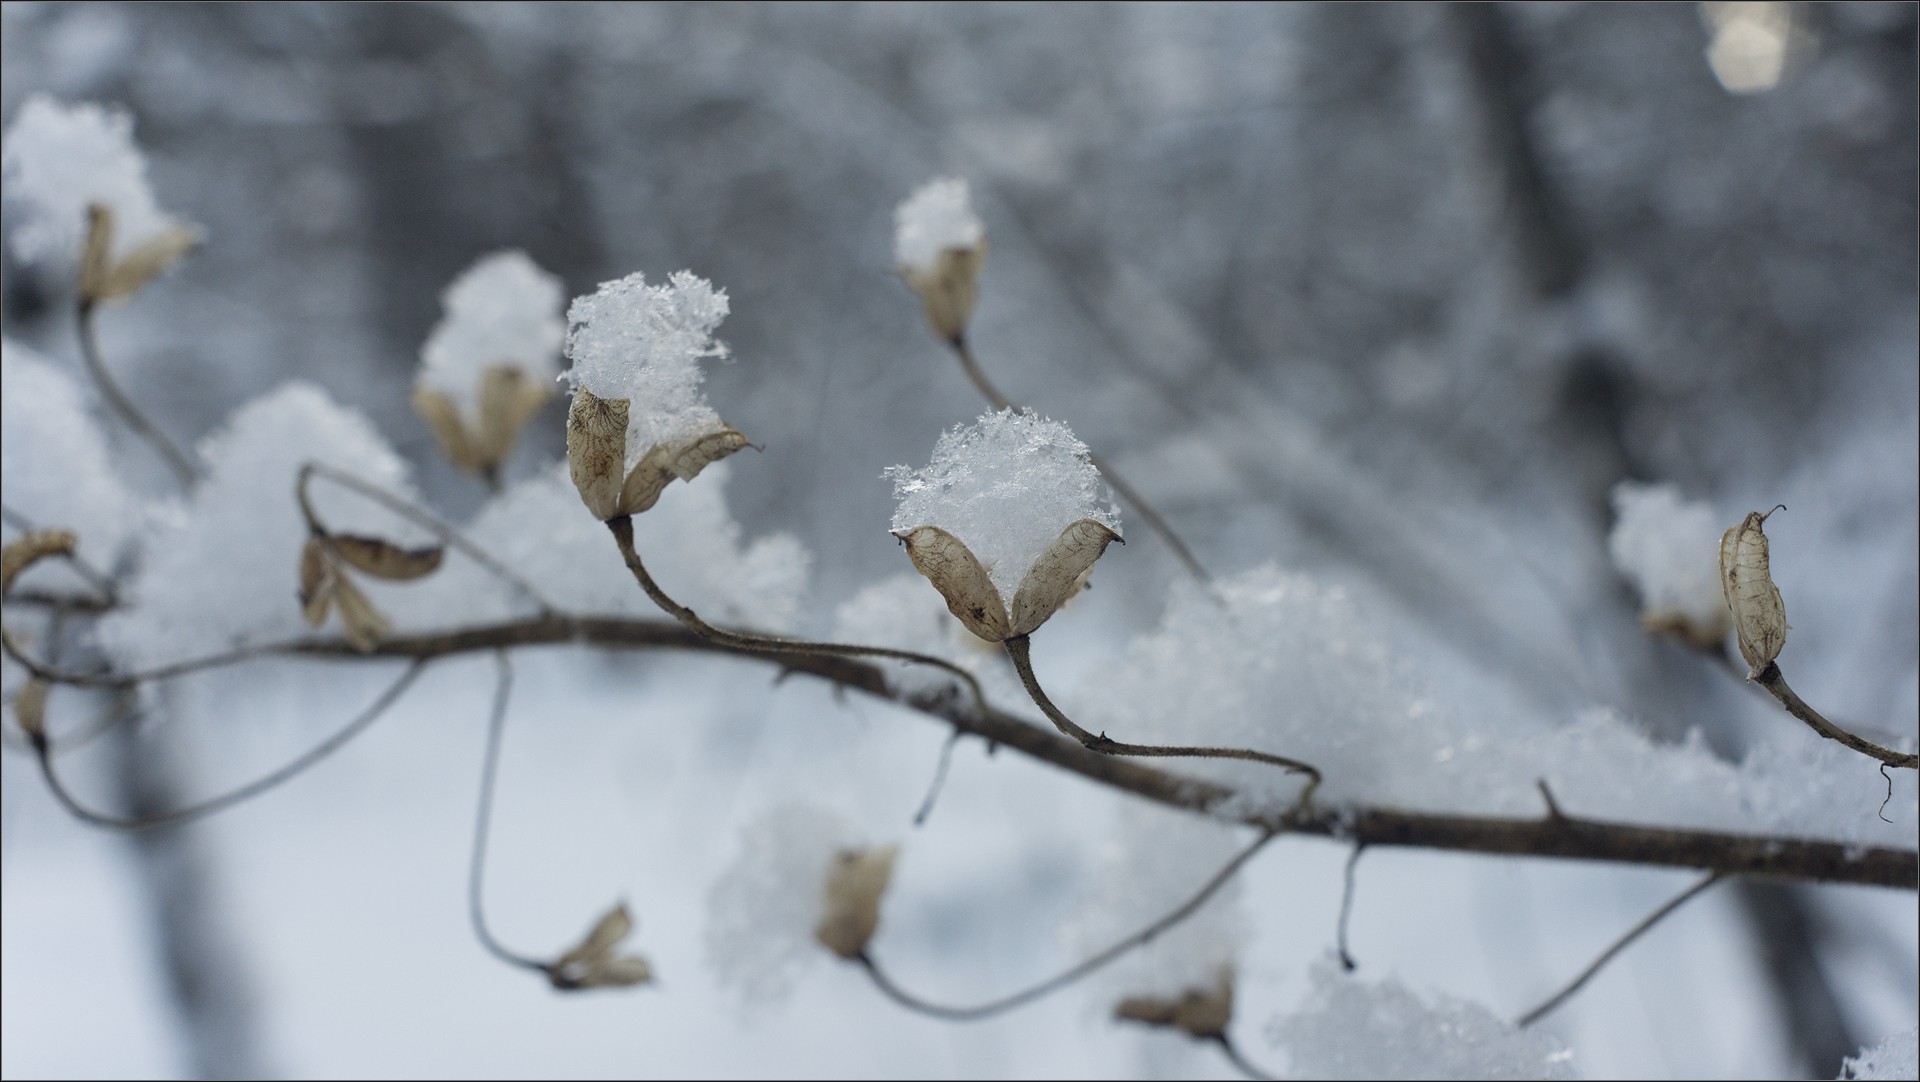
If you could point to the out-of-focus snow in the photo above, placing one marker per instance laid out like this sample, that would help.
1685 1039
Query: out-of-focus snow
502 311
1669 547
645 343
937 216
57 160
1895 1057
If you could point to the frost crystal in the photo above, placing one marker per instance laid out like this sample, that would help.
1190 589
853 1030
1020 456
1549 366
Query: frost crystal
1006 486
1668 548
1352 1028
763 909
504 311
937 216
58 159
54 467
1895 1057
629 340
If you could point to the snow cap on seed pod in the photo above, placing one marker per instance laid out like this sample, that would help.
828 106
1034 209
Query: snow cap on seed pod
1010 507
939 245
1759 616
639 418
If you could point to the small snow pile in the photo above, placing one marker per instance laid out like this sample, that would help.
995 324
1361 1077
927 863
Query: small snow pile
54 466
1895 1057
629 340
1006 486
763 909
1669 548
220 570
57 160
938 216
1351 1028
504 311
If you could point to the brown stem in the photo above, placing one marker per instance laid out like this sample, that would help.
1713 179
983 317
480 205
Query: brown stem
1554 1001
175 458
1018 648
482 820
1240 1062
1776 686
1074 973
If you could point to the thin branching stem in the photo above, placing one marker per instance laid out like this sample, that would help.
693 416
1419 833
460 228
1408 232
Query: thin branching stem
1018 648
1125 491
300 765
98 579
175 458
1775 684
622 528
1076 972
939 777
483 816
1554 1001
1240 1062
1346 909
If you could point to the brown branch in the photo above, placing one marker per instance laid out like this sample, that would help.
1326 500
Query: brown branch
1775 685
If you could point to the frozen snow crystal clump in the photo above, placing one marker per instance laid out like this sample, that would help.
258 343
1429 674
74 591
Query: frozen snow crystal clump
1895 1057
629 340
504 311
54 468
1006 486
1669 548
221 569
763 908
57 160
1350 1028
937 216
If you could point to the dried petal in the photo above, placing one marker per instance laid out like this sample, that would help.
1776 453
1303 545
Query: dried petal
385 560
1199 1012
317 582
613 926
30 707
854 889
697 454
620 972
593 964
947 293
363 624
597 451
957 574
443 417
147 261
508 400
648 478
1759 615
30 548
1059 573
94 261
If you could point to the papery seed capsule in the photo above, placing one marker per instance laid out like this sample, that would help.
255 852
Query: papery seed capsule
1759 615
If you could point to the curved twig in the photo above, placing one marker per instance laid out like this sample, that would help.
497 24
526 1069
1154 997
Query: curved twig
1346 908
1554 1001
1775 685
482 818
176 459
939 777
1239 1061
1073 973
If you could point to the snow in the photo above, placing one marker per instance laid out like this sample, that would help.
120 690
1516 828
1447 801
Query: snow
1006 486
1668 547
645 343
937 216
54 466
57 159
1894 1057
1354 1028
502 311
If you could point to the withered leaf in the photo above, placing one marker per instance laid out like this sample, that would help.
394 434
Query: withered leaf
443 417
956 572
30 548
385 560
646 481
702 451
147 261
363 624
508 400
1058 574
1759 614
317 578
30 706
597 451
854 888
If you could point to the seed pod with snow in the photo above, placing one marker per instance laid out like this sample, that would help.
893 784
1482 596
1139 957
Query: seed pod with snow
1759 615
1198 1012
939 245
1665 544
1010 506
854 888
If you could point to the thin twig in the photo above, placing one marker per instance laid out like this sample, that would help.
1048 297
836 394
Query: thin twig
1018 648
1239 1061
1346 909
246 792
1775 685
1653 918
482 818
1082 969
1125 491
939 778
175 458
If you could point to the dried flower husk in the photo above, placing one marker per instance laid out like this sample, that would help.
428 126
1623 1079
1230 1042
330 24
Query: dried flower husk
1198 1012
1759 614
317 582
948 291
961 579
597 451
508 400
854 888
443 418
1705 635
1059 573
30 707
363 624
30 548
383 559
101 279
592 964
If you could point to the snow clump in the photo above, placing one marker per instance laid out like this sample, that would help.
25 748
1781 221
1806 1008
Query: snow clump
504 311
57 160
629 340
1669 548
936 217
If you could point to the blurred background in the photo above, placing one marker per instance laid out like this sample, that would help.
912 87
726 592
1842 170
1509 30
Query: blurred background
1311 276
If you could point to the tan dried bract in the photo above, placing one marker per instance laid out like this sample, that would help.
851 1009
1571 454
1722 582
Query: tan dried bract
947 293
101 279
1759 615
363 624
597 451
443 417
30 707
1198 1012
1059 573
593 964
508 400
854 889
317 579
957 573
30 548
385 560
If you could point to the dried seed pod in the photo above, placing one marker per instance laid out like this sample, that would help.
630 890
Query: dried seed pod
697 454
597 451
443 417
1759 615
147 262
962 581
592 964
363 624
30 548
854 889
508 400
947 292
646 481
317 579
1059 573
383 559
1198 1012
30 707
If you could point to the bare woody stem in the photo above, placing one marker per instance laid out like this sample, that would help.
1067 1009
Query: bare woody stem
1018 648
1775 685
622 528
1125 491
1239 1061
1554 1001
482 820
176 459
308 759
1082 969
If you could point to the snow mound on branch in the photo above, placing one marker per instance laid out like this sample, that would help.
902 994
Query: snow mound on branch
1351 1028
1895 1057
645 343
502 311
57 159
